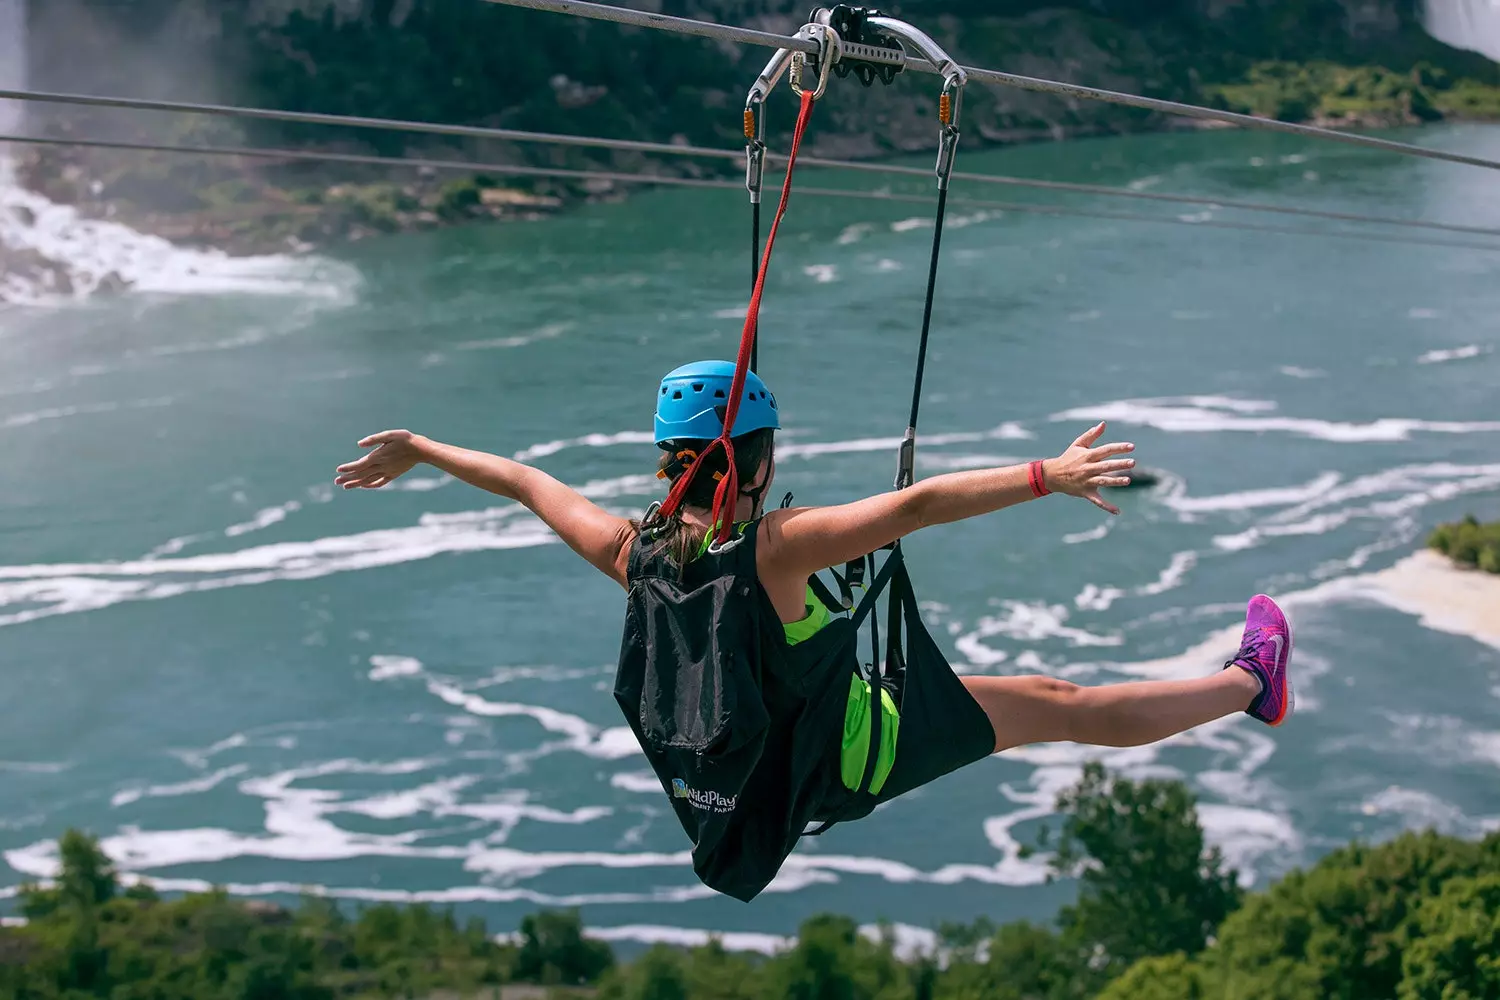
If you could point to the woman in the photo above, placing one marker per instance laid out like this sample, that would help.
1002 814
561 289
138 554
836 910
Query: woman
735 677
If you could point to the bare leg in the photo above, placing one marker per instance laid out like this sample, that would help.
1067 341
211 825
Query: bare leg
1046 710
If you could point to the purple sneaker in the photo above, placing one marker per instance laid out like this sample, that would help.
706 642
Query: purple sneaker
1265 651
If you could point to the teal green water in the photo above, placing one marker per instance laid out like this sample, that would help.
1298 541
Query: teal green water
239 676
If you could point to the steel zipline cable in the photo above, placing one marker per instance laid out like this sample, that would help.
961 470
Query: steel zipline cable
730 33
510 169
672 149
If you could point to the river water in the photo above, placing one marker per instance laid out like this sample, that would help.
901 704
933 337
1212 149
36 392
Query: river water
239 676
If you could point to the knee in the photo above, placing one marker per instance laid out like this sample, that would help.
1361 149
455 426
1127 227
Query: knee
1057 692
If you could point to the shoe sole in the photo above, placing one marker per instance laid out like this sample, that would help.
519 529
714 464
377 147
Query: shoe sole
1289 701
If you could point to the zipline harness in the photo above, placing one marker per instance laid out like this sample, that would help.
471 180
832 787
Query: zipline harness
870 45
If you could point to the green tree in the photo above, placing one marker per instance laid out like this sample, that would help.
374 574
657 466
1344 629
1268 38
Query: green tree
831 961
1454 952
555 952
1164 977
716 973
1021 961
1148 883
659 974
1337 931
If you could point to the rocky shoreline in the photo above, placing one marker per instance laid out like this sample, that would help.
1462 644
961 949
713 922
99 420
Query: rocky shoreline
250 207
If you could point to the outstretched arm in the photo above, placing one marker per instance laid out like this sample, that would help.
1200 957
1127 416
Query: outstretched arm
600 537
806 540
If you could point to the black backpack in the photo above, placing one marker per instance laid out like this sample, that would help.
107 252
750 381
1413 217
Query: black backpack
742 729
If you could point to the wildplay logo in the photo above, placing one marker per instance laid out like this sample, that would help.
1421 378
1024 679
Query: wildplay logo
710 801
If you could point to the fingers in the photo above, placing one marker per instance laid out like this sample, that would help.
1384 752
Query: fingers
1104 451
1114 465
1110 481
354 465
383 437
364 480
1101 503
1088 437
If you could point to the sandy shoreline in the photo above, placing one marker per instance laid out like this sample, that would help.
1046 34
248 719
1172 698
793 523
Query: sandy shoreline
1443 595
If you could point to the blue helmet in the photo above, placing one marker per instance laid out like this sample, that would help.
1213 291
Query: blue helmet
689 397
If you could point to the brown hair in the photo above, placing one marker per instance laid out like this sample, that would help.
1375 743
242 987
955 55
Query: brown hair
750 450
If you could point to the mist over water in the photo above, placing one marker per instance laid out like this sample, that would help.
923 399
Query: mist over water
1465 24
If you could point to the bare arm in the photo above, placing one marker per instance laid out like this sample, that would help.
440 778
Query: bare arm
600 537
804 540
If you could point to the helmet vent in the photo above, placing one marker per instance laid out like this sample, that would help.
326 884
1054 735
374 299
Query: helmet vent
719 394
677 394
697 386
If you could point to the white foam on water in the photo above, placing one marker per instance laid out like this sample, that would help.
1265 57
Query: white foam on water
206 783
1414 487
691 937
1172 576
1096 598
419 484
384 668
885 265
39 591
909 942
854 233
1024 622
263 519
1091 535
1453 354
1199 415
34 766
1252 499
80 409
1245 836
1292 371
544 672
1419 809
579 734
957 462
907 225
586 441
550 331
823 274
90 250
645 782
1419 312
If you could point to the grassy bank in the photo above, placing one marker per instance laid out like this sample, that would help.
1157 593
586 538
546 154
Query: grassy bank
436 62
1469 542
1158 916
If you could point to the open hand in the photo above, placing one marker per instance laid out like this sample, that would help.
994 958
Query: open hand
1083 469
397 453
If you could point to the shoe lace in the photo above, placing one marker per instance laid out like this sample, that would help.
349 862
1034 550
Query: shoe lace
1250 649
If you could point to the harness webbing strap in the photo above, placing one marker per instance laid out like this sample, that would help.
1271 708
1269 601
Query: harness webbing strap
754 275
729 485
907 462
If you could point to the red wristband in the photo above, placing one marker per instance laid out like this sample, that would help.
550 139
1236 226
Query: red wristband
1037 478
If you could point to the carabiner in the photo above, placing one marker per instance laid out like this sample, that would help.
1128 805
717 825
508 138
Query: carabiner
715 548
832 48
950 102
